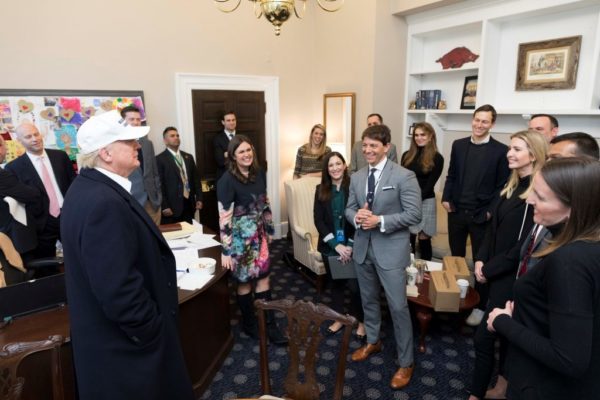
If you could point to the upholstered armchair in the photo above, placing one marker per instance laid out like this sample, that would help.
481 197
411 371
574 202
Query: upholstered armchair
300 197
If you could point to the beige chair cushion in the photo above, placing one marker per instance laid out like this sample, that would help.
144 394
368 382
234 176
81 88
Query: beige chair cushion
439 243
300 198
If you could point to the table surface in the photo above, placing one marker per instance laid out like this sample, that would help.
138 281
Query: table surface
467 303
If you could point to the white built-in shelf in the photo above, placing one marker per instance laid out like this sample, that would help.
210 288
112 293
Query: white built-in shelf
470 69
435 111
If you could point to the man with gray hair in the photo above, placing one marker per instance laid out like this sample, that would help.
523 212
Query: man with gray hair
120 276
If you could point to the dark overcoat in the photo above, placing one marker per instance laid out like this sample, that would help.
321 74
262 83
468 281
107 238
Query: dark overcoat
122 296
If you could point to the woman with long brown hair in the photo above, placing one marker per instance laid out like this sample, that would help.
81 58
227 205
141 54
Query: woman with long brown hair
427 163
336 235
553 324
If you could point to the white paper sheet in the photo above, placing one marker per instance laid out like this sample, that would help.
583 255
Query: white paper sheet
192 280
17 210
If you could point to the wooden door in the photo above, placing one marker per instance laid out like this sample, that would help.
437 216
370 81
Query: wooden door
208 108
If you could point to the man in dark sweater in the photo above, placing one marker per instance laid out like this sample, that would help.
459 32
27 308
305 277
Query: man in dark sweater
478 170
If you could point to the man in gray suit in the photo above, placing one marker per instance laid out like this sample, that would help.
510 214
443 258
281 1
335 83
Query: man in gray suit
384 201
145 180
357 160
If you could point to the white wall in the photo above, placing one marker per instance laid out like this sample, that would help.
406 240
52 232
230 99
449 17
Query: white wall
141 45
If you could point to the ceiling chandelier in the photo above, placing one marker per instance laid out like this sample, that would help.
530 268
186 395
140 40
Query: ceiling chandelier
278 11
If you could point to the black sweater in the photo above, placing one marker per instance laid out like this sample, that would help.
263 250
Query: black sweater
554 333
427 180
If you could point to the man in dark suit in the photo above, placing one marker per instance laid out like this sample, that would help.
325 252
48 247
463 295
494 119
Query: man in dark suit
49 171
384 201
221 141
180 182
145 180
120 276
357 160
478 170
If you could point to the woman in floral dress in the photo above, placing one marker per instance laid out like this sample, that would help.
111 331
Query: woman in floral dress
246 228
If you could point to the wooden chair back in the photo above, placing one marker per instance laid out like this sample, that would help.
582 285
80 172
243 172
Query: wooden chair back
11 355
304 322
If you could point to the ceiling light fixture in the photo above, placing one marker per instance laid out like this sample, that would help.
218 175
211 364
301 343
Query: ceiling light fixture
278 11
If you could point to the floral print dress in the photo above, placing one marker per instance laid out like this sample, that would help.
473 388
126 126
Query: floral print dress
246 223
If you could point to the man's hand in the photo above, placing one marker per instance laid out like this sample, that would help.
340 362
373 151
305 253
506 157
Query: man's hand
447 206
362 214
198 205
167 212
371 222
479 272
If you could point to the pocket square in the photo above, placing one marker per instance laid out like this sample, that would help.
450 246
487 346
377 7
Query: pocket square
387 188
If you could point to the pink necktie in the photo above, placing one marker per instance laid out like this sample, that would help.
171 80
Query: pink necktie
47 181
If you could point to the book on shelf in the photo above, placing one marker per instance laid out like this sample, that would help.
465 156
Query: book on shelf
428 99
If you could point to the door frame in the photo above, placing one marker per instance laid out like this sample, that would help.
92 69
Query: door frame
185 83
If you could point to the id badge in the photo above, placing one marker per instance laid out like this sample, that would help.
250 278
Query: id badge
339 236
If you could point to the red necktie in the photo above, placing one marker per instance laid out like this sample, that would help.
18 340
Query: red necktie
528 253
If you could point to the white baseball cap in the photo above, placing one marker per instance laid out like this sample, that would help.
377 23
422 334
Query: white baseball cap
104 129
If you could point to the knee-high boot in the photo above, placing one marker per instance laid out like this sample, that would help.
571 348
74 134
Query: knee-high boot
249 325
425 249
275 334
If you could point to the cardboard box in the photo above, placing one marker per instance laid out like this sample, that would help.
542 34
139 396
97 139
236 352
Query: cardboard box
444 293
457 266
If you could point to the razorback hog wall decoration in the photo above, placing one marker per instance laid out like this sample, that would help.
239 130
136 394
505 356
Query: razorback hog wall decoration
456 57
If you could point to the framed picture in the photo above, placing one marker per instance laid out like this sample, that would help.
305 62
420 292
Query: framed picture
469 94
548 65
411 130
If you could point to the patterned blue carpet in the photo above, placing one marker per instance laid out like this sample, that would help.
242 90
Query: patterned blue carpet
443 372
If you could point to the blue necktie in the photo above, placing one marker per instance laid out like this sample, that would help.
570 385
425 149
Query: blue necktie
371 188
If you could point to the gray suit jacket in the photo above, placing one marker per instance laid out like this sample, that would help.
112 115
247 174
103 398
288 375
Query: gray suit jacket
151 176
357 160
398 200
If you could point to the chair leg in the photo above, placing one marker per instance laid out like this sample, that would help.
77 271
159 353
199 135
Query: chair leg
275 334
249 325
320 283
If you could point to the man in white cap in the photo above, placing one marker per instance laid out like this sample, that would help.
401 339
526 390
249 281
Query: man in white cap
120 276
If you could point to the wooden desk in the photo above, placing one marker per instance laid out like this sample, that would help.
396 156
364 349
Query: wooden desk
424 308
205 332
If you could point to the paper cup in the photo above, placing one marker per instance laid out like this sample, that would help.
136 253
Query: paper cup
463 285
205 265
411 276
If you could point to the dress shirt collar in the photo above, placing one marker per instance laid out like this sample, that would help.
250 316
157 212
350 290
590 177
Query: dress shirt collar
229 134
174 153
121 181
379 166
34 157
484 141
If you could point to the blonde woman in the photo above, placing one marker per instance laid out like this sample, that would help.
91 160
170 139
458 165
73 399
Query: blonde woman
309 159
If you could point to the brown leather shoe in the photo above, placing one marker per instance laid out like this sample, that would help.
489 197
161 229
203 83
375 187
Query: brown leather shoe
402 377
364 352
